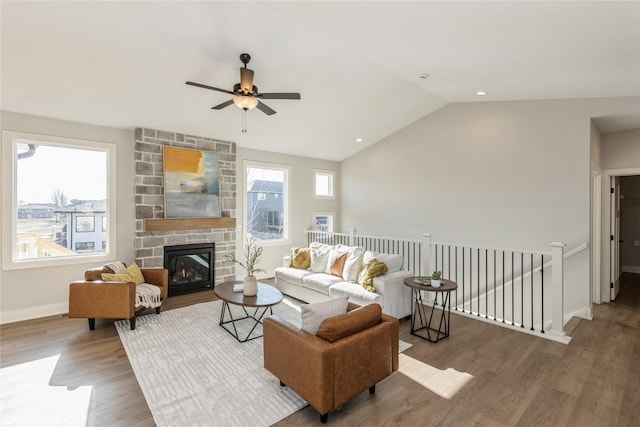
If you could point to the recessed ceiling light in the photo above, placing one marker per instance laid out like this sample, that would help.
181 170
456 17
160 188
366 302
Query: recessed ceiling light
358 139
481 93
423 75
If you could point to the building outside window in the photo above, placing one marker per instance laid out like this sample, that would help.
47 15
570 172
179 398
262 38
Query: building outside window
61 190
267 201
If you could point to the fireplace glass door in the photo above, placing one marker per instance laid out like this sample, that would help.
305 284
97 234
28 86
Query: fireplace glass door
191 267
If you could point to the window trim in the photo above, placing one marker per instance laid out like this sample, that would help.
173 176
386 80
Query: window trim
317 172
286 224
9 212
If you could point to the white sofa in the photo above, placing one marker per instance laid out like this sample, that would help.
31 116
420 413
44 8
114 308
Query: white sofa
312 285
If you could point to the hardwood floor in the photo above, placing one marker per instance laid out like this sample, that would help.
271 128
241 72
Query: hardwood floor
519 380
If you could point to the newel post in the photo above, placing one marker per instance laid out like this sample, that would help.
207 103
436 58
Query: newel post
557 291
426 259
352 236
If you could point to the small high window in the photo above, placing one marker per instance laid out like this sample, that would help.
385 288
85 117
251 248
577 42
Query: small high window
323 184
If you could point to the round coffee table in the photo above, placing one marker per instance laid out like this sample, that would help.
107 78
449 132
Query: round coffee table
267 297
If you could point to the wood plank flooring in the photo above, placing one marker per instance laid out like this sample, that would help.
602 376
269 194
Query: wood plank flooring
519 380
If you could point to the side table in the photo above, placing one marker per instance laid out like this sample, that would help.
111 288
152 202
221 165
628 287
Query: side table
422 325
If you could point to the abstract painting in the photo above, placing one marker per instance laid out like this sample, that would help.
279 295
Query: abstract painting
191 183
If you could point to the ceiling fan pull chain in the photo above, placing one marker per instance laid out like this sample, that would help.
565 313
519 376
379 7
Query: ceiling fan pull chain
244 121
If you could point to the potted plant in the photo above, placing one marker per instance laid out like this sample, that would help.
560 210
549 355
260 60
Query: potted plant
435 279
252 253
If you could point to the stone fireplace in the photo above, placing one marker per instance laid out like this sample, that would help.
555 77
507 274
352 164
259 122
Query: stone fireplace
153 232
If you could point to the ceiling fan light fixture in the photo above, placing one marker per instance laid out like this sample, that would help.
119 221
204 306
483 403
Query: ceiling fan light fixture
244 102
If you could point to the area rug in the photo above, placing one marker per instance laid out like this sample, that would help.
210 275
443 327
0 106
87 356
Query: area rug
194 373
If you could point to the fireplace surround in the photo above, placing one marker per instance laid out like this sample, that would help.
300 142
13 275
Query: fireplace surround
149 203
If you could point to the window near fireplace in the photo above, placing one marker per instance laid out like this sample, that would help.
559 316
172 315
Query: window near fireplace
59 191
267 201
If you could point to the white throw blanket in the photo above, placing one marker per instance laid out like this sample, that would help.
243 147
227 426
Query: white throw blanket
117 267
147 296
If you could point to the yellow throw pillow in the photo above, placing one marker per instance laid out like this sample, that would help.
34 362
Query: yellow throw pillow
374 268
300 258
130 274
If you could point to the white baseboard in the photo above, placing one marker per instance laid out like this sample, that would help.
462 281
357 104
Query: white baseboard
631 269
583 313
34 312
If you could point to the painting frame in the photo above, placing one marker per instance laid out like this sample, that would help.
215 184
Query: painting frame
191 183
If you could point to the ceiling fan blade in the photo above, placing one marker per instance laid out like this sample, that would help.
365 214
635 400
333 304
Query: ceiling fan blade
224 104
208 87
279 95
246 80
265 109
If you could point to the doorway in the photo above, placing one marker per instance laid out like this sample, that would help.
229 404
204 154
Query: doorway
620 231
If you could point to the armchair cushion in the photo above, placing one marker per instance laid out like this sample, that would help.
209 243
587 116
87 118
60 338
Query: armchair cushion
337 327
130 274
313 314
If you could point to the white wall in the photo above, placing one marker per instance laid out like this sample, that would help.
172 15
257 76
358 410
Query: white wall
38 292
621 150
303 203
500 174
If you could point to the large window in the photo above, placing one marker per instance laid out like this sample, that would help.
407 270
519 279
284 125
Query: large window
59 193
323 184
267 201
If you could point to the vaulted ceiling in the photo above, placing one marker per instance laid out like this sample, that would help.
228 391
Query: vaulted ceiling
357 65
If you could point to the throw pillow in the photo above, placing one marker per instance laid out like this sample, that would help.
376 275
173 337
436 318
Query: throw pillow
131 274
300 258
373 269
338 265
352 265
319 257
393 261
313 314
338 327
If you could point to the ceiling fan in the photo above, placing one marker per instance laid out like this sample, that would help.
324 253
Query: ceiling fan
246 95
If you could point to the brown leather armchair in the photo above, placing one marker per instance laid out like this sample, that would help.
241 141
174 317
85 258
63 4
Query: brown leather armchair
349 354
93 298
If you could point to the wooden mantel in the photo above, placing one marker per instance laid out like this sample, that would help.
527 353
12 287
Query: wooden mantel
172 224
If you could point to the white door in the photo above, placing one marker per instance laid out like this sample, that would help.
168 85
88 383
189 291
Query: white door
615 237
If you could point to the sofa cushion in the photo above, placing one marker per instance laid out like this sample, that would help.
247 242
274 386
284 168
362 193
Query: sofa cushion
320 282
374 268
393 261
355 292
319 257
341 326
291 275
130 274
300 258
313 314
